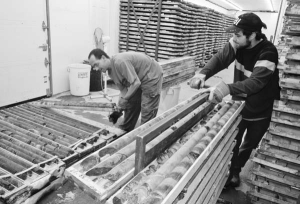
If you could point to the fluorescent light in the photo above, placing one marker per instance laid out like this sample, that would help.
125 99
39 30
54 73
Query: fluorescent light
272 7
234 5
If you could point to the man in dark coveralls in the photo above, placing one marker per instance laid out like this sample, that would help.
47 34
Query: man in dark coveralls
256 81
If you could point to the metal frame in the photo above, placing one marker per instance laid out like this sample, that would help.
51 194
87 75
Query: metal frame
49 93
158 4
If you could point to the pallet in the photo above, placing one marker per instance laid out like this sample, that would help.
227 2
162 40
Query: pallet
290 94
286 118
293 41
282 151
161 44
164 19
274 176
292 107
177 64
153 39
284 130
277 163
282 142
177 81
161 53
278 150
290 83
153 29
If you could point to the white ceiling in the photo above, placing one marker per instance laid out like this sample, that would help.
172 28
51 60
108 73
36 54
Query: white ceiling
249 5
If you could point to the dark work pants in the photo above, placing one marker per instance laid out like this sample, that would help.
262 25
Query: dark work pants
146 104
241 154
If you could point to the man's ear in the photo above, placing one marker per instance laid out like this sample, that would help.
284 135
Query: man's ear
252 36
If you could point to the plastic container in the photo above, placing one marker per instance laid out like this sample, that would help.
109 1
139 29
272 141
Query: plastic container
170 97
79 77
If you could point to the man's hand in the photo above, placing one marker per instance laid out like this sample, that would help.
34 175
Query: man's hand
197 81
114 116
217 93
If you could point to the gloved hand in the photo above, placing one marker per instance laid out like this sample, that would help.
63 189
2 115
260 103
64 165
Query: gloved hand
197 81
218 92
115 115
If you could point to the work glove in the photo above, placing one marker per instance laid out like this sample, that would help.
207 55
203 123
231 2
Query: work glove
197 81
217 93
115 115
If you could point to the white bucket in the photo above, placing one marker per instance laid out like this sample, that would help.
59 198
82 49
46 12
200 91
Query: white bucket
170 97
79 77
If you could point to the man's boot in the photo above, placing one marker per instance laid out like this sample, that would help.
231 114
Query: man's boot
235 181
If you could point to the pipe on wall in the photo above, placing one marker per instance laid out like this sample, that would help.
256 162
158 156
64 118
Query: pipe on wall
278 19
49 93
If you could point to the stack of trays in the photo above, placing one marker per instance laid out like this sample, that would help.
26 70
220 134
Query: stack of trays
275 176
192 167
186 29
35 142
176 71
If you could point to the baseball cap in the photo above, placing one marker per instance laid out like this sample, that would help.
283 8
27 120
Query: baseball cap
246 21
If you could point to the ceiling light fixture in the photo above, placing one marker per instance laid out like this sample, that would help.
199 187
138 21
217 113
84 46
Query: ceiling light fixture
272 7
234 5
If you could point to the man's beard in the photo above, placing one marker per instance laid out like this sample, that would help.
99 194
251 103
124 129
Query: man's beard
245 46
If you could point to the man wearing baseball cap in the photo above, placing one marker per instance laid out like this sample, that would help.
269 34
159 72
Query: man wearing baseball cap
256 81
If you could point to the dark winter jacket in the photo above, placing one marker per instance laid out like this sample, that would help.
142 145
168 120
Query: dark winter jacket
256 77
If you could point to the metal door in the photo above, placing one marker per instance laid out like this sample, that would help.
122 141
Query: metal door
23 51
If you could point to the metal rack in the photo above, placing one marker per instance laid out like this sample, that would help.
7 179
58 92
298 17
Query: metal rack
275 175
170 29
36 142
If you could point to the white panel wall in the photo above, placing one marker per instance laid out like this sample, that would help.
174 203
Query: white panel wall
72 33
113 45
23 75
281 21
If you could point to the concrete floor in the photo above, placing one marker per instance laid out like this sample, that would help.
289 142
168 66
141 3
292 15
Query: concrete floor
69 193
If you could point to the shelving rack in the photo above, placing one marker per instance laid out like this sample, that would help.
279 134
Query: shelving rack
171 29
275 176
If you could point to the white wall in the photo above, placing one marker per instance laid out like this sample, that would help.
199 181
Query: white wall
72 33
113 46
281 21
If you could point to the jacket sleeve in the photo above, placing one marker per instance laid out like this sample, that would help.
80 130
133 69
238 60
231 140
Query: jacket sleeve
261 75
220 61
